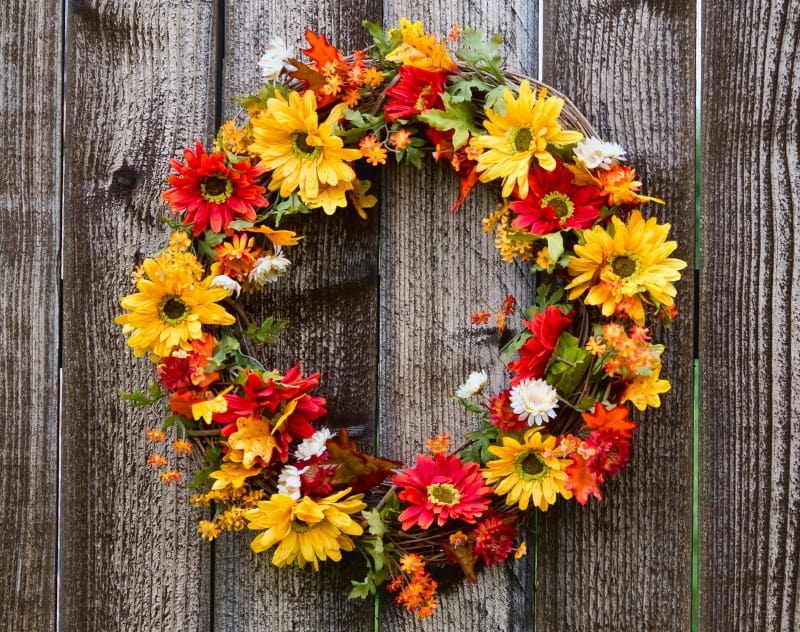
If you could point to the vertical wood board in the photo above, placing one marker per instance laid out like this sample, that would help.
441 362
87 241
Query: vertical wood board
749 357
329 298
625 563
140 87
436 268
30 182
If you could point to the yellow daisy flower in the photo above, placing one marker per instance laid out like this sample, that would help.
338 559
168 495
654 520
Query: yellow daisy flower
172 305
301 152
519 136
622 268
418 49
306 530
644 391
528 471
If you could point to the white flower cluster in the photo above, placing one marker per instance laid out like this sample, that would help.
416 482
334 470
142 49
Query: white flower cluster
289 481
274 61
595 153
474 384
227 283
313 446
268 268
534 401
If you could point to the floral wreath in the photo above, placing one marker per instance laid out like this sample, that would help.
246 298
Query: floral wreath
569 207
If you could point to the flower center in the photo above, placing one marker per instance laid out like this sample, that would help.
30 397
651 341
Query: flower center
173 310
624 266
521 139
562 206
422 103
298 526
443 494
301 147
530 466
216 189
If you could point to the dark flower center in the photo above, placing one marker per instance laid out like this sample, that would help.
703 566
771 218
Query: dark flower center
522 139
623 266
301 146
173 310
563 207
443 494
298 526
216 189
532 465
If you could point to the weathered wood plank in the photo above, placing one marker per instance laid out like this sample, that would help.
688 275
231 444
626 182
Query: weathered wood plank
625 564
140 88
749 357
330 301
435 269
30 124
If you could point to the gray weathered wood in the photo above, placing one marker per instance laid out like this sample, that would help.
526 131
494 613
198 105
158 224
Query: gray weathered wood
329 299
30 119
625 564
749 358
140 88
437 268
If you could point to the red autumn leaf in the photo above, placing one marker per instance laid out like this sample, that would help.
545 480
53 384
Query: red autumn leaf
614 420
354 468
322 51
582 482
462 554
467 184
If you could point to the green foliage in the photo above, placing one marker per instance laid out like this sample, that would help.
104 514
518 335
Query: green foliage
569 365
226 346
481 54
180 422
138 399
213 458
376 552
291 205
207 242
267 332
480 440
361 124
382 43
459 117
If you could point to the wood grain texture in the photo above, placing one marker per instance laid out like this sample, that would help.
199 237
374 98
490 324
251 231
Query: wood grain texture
330 301
30 182
437 268
749 355
140 88
625 564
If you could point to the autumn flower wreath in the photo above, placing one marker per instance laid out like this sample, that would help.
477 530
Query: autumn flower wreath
570 208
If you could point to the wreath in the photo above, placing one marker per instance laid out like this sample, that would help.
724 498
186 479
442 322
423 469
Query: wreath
569 207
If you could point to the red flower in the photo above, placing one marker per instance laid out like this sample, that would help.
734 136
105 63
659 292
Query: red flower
290 393
493 539
183 370
546 327
554 203
441 488
502 416
417 90
212 193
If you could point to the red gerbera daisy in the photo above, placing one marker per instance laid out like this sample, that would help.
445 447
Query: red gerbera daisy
546 327
212 193
417 90
441 488
493 539
554 203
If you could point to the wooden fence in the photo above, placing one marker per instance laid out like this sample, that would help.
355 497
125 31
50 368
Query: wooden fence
99 94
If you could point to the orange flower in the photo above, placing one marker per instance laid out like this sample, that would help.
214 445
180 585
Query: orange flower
372 150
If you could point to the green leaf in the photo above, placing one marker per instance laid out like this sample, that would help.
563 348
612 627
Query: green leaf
213 458
361 589
568 366
375 523
459 117
267 333
240 224
179 421
138 399
289 206
226 346
555 245
481 54
494 100
473 407
361 124
383 44
478 450
461 88
207 243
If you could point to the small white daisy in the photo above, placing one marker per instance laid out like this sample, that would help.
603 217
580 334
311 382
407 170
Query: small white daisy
229 284
474 384
534 401
268 268
274 61
595 153
289 481
313 446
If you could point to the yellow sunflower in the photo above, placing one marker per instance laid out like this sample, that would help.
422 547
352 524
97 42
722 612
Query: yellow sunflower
307 530
644 391
172 305
301 152
528 471
622 268
519 136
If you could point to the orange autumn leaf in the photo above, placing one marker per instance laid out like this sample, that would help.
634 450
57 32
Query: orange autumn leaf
277 237
356 469
614 420
310 77
582 483
253 437
322 51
